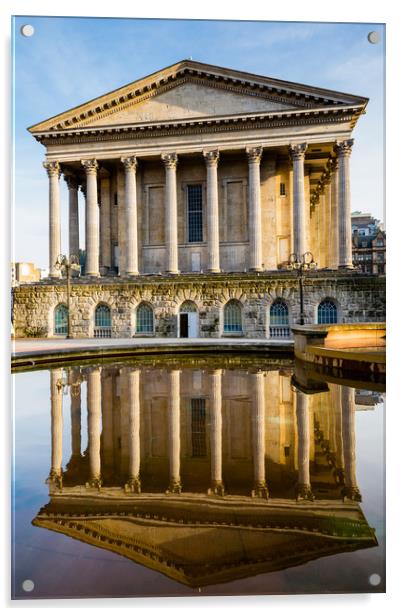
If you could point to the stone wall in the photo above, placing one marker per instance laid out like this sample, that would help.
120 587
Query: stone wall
358 298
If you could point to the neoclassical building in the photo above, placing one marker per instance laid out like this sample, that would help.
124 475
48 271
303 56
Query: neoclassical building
199 182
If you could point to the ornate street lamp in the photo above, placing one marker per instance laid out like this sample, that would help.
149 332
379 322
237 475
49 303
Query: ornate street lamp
301 264
66 265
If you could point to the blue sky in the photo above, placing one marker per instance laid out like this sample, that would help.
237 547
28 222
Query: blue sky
70 60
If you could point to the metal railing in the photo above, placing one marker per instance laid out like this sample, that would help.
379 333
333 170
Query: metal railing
279 331
103 332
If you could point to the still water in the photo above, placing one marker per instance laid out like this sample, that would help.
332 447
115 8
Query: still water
191 476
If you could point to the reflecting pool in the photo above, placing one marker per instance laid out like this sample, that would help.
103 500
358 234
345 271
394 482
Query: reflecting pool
195 475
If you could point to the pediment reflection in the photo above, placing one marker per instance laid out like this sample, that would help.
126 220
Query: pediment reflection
207 475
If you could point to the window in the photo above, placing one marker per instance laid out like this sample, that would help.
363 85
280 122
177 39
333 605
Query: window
198 432
145 319
103 322
194 209
282 189
232 317
279 320
327 312
61 319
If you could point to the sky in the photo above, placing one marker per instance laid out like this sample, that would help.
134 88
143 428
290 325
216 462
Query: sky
71 60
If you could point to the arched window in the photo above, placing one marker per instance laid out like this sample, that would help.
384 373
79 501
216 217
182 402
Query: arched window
279 320
327 312
61 319
103 322
232 317
145 319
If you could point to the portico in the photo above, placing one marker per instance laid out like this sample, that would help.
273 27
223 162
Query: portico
201 168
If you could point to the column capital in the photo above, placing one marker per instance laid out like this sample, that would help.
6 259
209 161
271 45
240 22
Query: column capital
90 165
297 150
71 181
211 157
52 168
254 154
130 163
344 148
170 160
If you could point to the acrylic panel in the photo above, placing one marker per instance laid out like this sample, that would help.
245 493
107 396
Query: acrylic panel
190 195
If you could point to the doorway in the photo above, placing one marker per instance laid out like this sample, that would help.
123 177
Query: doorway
188 320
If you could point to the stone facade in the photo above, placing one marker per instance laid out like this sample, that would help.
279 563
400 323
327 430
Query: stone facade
357 298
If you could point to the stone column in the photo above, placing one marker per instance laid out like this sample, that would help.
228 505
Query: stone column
297 153
258 435
339 460
254 204
328 219
351 489
73 218
174 432
56 426
107 424
334 214
53 172
211 160
75 393
130 200
105 226
170 162
94 426
91 218
344 150
133 390
217 486
303 450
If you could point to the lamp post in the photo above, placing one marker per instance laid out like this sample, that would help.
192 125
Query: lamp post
301 264
66 265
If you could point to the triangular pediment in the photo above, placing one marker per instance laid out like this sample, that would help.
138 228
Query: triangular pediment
189 99
192 89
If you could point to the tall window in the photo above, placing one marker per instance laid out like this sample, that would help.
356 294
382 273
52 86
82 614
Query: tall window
282 189
279 320
61 319
198 433
145 319
232 317
103 322
327 312
194 209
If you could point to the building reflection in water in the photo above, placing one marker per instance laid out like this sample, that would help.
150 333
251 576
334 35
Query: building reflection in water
206 475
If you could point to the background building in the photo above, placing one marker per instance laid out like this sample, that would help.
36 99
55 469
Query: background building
369 242
24 272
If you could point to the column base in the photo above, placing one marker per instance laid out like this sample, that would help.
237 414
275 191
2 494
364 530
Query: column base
174 487
94 483
352 493
260 490
343 267
304 492
133 485
92 274
132 274
214 270
56 479
54 275
255 269
172 272
217 488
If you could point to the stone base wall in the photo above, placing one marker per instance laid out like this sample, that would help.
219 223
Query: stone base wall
358 297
